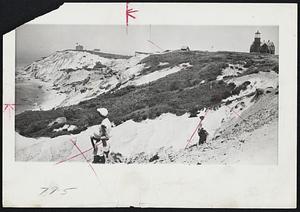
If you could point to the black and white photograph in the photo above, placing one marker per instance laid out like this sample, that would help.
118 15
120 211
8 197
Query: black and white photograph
146 105
147 94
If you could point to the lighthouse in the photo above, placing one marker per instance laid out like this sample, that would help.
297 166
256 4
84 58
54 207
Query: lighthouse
256 44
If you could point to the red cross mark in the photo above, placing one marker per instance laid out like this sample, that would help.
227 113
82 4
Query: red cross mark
238 115
74 156
129 12
73 140
198 126
9 107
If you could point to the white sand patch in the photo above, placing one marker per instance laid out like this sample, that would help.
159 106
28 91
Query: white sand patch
185 65
231 70
147 136
72 127
163 63
159 74
261 80
156 75
65 127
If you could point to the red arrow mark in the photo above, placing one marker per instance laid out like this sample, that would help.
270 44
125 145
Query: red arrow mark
129 12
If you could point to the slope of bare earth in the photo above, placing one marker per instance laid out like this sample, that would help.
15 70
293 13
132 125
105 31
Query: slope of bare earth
250 139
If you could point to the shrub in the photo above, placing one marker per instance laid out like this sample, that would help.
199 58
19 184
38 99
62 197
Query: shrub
174 85
193 111
98 65
153 158
231 85
117 122
216 98
248 63
70 114
276 69
195 82
257 95
225 94
83 90
228 102
221 82
69 70
238 89
32 128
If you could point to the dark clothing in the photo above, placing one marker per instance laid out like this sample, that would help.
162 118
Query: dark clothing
99 159
92 141
202 135
97 140
106 153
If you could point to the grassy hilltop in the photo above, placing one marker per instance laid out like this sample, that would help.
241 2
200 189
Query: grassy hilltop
185 91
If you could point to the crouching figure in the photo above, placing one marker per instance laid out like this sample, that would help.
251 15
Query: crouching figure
100 139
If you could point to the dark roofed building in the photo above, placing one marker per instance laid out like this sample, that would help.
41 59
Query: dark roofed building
270 47
265 47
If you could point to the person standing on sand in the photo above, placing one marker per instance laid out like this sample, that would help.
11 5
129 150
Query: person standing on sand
101 150
202 133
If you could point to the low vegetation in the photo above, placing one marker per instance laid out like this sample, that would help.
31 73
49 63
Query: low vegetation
186 91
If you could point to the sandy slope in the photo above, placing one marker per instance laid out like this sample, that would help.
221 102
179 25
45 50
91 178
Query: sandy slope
260 147
73 76
242 131
248 139
253 141
69 77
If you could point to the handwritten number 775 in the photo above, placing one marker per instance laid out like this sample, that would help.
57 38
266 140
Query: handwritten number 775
54 189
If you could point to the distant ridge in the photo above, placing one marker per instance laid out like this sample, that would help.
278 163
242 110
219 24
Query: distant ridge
101 54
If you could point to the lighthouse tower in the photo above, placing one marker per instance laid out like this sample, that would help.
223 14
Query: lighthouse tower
256 44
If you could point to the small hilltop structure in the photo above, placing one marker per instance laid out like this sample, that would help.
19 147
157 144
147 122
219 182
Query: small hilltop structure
185 48
262 47
79 47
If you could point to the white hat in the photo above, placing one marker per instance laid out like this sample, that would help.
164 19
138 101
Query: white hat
103 111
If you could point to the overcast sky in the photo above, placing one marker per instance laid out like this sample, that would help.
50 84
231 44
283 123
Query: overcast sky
36 41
